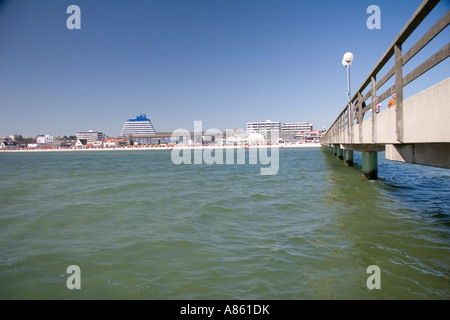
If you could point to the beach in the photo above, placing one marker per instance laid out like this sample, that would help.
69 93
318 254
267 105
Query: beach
162 147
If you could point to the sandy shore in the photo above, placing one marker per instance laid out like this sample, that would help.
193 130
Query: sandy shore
128 148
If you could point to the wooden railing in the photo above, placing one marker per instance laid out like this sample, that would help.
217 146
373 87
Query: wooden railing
341 130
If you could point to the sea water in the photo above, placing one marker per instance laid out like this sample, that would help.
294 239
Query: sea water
139 226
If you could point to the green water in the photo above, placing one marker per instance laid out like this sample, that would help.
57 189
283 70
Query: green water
141 227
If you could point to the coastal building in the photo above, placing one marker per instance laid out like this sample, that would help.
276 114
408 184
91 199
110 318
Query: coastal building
238 137
44 139
140 130
110 143
297 127
81 143
264 126
310 136
91 136
9 144
287 132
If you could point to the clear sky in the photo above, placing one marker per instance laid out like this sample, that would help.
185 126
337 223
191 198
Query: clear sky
225 62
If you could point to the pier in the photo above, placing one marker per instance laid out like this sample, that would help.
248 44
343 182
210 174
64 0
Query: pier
415 130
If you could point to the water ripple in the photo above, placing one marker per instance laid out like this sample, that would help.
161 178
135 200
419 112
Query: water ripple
141 227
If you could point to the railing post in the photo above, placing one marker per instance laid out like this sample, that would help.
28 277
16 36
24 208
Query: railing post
339 129
350 122
399 90
373 80
359 115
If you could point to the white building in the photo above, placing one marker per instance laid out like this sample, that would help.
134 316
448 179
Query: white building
268 125
91 136
109 143
256 138
297 127
44 138
139 127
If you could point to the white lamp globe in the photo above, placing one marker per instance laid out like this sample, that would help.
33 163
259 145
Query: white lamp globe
348 57
344 63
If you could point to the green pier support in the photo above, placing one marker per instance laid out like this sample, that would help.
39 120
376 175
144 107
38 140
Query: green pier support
370 165
348 158
339 153
335 150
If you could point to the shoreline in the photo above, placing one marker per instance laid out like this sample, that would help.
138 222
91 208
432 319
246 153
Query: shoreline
147 148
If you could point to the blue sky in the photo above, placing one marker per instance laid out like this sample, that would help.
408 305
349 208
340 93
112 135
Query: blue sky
225 62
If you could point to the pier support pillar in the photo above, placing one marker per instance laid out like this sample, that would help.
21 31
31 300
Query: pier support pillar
339 153
348 158
335 150
370 165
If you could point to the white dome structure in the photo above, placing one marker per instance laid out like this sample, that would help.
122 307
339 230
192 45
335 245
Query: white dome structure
256 138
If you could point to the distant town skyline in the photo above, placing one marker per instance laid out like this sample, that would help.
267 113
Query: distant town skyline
225 63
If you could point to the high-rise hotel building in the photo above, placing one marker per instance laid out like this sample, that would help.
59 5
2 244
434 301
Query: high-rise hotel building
288 131
297 127
141 126
266 126
139 129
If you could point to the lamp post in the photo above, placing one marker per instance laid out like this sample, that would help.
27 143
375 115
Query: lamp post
346 62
